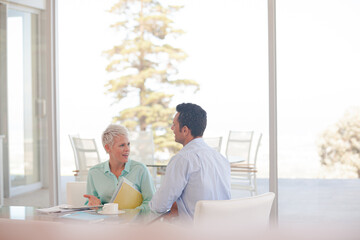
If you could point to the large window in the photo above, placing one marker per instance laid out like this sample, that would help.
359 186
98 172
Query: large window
226 43
318 107
21 63
22 70
27 103
317 57
228 55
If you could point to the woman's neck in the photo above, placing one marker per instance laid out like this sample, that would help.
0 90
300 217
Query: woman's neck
116 168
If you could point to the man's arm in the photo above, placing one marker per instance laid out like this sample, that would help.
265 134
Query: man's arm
175 180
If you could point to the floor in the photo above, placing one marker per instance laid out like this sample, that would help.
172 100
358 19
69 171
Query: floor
301 201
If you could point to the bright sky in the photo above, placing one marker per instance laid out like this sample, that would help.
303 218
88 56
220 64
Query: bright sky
226 40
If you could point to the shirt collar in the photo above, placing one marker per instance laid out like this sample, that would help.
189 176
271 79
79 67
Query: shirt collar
127 166
194 141
126 169
107 167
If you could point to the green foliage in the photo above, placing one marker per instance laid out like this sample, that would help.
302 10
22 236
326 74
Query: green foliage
145 63
340 144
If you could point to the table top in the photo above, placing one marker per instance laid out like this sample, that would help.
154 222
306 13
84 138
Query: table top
156 165
133 216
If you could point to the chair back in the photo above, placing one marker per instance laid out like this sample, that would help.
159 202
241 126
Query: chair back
214 142
234 213
243 174
85 152
75 192
239 145
142 147
257 148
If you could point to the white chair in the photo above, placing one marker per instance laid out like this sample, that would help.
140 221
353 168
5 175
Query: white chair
214 142
242 159
234 214
86 155
75 192
238 146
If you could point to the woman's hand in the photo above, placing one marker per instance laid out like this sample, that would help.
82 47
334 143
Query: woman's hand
93 201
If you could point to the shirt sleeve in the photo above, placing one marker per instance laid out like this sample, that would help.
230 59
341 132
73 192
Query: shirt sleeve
175 180
147 189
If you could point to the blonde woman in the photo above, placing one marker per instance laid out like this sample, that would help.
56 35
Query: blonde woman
104 177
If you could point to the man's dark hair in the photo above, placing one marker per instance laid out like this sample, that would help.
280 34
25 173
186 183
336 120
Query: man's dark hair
192 116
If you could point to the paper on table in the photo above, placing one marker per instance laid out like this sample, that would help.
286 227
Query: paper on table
63 208
55 209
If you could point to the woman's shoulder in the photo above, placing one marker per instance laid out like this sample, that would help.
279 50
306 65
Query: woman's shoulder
136 164
100 166
138 167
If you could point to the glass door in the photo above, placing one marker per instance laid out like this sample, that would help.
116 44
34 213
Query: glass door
22 84
319 112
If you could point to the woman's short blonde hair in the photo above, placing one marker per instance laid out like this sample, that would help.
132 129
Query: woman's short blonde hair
113 130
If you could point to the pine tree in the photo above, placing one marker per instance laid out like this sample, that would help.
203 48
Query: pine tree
145 63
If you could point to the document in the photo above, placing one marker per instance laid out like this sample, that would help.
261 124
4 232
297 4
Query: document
66 208
55 209
127 196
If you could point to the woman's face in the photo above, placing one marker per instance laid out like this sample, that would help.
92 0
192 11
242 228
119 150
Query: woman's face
120 150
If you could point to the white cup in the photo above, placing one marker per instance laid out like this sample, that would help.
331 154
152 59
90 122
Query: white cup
110 207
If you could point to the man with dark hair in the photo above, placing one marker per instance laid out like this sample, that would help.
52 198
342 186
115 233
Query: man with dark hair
192 116
197 172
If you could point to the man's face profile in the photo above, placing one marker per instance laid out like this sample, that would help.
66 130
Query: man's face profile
176 129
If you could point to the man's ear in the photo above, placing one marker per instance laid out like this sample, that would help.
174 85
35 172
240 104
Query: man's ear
186 131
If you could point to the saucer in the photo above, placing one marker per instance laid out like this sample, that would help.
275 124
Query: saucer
111 213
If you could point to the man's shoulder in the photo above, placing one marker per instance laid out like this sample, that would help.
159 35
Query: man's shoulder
180 158
198 147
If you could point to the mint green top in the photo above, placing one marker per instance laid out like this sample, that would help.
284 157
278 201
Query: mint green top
102 183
